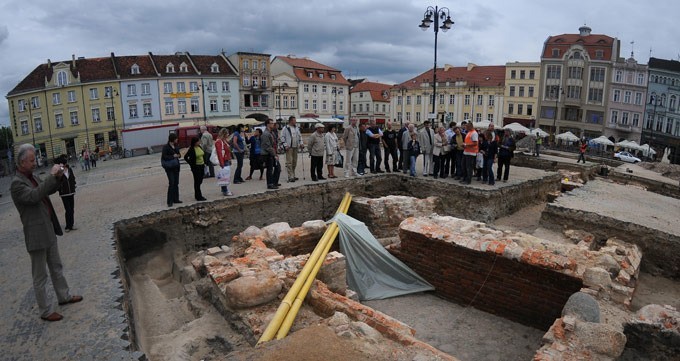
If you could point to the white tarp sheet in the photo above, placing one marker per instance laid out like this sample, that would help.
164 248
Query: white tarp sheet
372 272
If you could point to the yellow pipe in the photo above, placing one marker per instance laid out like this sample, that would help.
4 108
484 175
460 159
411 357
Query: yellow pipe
297 303
314 257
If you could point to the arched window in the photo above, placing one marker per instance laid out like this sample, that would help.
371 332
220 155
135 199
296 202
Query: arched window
134 69
672 103
62 78
183 68
576 55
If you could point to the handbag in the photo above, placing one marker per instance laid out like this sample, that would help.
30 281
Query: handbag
339 159
213 156
170 164
223 175
480 160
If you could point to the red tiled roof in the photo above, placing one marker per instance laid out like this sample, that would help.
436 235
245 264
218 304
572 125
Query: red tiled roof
482 76
34 80
305 63
376 90
302 66
162 61
124 65
205 62
591 43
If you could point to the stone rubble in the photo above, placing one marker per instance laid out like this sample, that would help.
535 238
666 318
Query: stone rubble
383 215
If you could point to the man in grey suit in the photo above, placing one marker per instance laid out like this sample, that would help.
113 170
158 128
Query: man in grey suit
41 227
351 139
426 140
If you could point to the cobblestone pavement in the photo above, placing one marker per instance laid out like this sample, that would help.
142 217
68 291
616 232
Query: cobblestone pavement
95 329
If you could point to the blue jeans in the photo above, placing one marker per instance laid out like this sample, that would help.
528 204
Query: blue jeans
412 164
173 185
487 173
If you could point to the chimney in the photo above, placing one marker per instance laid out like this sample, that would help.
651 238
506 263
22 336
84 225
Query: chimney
73 60
584 30
49 63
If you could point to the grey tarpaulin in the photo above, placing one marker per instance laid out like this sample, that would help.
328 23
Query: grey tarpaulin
373 272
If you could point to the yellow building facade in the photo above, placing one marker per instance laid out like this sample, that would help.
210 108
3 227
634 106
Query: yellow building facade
522 81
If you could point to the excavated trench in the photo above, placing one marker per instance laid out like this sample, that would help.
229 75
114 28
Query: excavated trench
157 276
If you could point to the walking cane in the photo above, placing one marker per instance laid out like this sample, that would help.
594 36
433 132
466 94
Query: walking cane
303 163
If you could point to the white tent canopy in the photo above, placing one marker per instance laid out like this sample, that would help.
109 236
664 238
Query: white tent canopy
602 140
329 120
647 150
629 145
568 136
542 133
517 128
484 124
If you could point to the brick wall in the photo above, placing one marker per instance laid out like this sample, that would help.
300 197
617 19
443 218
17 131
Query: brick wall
523 293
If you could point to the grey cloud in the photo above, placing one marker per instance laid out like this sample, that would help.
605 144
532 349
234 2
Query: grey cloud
4 33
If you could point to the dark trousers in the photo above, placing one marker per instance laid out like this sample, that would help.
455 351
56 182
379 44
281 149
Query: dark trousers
239 167
361 167
461 171
69 204
406 161
581 157
437 160
317 167
256 163
376 157
211 168
445 164
173 185
470 161
393 153
503 163
198 171
273 171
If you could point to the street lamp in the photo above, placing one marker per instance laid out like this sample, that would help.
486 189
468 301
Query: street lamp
279 87
555 92
436 14
474 89
114 93
30 117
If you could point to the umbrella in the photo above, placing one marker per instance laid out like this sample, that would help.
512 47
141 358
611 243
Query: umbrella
516 127
540 131
602 140
647 150
634 145
482 124
568 136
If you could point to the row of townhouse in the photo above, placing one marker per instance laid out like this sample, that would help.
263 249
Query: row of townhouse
62 106
581 84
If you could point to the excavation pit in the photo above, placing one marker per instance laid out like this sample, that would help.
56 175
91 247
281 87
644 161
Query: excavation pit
155 253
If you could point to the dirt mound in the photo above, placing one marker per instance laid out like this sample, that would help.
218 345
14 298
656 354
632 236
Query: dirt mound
671 171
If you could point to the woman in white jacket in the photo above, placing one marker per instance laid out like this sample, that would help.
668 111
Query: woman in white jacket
332 150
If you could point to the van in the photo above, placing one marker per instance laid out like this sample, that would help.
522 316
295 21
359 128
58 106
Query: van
184 134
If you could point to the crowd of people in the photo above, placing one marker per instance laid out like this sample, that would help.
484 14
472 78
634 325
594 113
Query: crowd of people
461 152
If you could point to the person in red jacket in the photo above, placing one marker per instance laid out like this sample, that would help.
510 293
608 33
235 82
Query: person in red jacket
224 156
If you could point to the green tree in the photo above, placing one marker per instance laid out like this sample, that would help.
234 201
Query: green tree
6 138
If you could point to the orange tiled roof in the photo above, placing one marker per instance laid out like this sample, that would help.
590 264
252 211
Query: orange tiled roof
377 90
482 76
591 43
302 66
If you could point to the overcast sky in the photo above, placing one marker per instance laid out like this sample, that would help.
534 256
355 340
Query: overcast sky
376 39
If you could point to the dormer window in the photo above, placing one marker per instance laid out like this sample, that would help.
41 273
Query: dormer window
62 78
556 53
135 69
183 68
214 68
170 68
309 74
333 76
599 54
320 75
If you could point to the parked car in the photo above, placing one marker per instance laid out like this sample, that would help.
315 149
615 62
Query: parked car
626 157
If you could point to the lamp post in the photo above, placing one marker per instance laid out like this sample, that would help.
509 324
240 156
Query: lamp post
114 93
403 110
474 89
655 100
30 117
334 91
279 87
556 91
436 14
